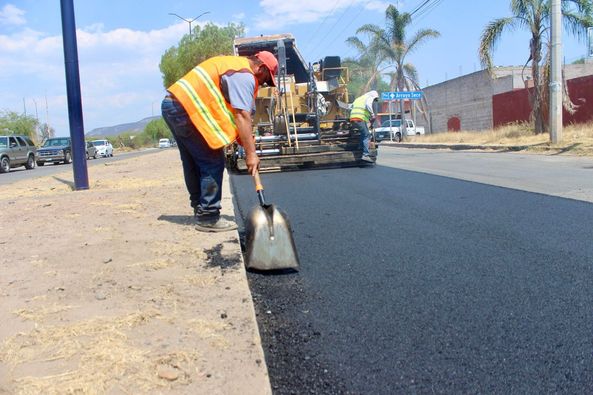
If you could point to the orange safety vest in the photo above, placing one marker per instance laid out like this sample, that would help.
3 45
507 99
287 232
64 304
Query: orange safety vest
200 95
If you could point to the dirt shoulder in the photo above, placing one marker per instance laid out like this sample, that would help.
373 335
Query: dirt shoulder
111 290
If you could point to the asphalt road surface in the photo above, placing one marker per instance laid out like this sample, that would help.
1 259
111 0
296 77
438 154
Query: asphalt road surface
20 173
433 272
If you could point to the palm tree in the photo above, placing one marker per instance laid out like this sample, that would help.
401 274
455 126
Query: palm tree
367 64
534 15
391 42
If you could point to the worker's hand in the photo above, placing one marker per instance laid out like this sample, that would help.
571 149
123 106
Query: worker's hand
252 162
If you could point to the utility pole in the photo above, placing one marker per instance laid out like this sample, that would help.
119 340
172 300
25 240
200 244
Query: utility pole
46 117
556 73
590 42
36 113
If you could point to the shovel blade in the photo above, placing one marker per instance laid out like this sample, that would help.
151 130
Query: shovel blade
270 245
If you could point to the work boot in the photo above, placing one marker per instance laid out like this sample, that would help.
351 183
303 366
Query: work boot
367 158
220 225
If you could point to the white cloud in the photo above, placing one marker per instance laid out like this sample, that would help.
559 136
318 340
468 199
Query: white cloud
11 15
278 14
119 73
239 16
376 5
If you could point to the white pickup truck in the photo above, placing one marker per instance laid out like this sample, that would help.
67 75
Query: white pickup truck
390 130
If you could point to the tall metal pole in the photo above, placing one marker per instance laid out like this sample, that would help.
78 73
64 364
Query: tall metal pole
590 42
556 74
189 21
81 178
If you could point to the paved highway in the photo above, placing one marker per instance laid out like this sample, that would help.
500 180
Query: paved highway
20 173
434 272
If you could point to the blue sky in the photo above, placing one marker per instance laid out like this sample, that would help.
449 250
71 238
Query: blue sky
120 44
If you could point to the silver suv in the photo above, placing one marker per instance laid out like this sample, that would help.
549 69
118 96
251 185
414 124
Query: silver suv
16 151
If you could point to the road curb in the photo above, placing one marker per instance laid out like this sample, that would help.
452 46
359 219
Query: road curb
459 147
535 148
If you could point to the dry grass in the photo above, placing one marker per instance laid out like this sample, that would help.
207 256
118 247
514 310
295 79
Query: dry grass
40 313
106 357
575 138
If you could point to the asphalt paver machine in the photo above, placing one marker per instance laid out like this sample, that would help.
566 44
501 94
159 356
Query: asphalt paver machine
303 122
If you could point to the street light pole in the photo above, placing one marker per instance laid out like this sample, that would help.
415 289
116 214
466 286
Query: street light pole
189 21
556 74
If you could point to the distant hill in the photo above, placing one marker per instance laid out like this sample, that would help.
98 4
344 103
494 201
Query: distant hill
137 127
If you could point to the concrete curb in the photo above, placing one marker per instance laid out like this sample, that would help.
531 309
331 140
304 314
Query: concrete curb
537 148
459 147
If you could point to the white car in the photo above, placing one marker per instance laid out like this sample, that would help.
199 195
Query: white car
104 147
164 143
390 129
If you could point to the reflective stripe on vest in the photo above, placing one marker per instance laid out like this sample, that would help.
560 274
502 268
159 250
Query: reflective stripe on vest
200 95
359 109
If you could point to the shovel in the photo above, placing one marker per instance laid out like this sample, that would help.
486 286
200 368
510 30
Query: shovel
270 245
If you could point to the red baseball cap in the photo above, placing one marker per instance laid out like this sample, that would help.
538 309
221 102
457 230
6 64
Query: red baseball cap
271 63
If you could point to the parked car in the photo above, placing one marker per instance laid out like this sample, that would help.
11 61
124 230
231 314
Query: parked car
55 150
16 151
91 151
164 143
390 129
104 147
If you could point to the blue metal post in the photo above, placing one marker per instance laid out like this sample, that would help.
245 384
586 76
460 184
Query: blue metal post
81 177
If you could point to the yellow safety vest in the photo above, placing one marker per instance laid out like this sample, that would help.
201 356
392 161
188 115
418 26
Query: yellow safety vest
200 95
359 109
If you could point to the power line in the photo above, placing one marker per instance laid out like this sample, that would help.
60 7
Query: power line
334 25
346 26
420 7
431 7
428 9
343 30
322 22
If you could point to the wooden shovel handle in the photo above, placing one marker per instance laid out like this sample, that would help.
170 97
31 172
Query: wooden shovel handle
258 185
259 189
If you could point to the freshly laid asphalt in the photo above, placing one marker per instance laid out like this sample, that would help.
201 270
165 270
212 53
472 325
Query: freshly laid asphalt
418 283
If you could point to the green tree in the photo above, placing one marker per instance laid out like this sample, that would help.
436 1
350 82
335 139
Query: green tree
394 46
44 131
14 123
534 15
157 129
204 43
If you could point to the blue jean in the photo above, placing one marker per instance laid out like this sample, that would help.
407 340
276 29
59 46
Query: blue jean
365 136
203 167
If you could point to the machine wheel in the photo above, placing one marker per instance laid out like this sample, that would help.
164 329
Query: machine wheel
40 163
67 158
398 138
30 162
5 165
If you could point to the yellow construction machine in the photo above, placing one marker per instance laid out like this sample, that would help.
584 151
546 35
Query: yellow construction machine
303 121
